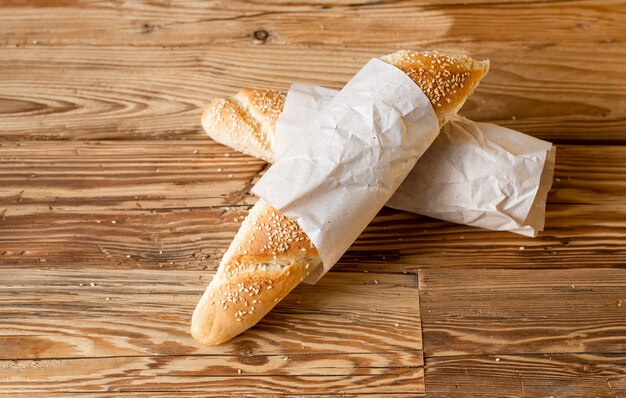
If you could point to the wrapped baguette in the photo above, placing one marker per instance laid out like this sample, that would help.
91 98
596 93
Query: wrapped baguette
270 254
477 174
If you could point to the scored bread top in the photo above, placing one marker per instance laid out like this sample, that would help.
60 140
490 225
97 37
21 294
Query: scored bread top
245 122
265 105
267 237
269 256
446 79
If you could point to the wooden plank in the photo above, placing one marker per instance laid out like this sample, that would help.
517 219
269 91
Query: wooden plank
373 23
393 242
505 311
66 314
547 375
92 176
166 206
199 173
156 67
307 374
90 331
556 93
216 394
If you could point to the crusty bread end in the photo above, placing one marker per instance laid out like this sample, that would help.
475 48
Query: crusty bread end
269 256
246 121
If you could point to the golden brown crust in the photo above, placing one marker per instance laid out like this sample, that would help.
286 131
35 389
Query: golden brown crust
271 254
270 234
446 79
228 123
266 105
230 306
268 258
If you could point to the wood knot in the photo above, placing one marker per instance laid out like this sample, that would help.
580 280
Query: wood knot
260 36
147 28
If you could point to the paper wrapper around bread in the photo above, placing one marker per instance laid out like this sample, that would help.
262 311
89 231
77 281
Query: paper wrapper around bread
482 175
335 170
477 174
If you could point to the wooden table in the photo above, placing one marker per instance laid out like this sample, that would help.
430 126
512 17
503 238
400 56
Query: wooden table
115 208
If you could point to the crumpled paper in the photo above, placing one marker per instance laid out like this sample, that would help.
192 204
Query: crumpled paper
334 172
477 174
483 175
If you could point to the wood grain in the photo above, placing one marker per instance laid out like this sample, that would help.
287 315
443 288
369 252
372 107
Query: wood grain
182 393
177 204
394 241
117 93
542 375
504 311
59 314
558 75
197 173
210 375
329 22
128 331
146 219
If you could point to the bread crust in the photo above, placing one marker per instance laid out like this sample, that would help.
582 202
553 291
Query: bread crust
270 254
446 79
245 122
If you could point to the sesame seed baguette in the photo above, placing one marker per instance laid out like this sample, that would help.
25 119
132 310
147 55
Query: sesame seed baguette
246 121
270 254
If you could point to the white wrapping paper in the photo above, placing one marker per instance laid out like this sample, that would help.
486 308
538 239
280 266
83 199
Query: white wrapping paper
334 172
477 174
483 175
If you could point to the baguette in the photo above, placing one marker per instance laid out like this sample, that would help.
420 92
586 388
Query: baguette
270 254
246 121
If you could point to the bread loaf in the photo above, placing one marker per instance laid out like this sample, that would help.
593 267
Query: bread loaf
270 254
246 121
